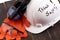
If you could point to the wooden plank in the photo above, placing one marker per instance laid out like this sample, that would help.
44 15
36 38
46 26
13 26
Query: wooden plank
2 12
9 4
42 36
55 31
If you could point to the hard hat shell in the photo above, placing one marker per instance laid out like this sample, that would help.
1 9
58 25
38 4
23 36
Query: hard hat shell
42 14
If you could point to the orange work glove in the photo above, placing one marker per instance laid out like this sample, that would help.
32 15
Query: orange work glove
14 29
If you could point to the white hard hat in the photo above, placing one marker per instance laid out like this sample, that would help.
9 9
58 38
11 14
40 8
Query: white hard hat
42 14
2 1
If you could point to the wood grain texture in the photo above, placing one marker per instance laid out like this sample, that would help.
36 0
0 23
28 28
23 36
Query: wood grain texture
52 33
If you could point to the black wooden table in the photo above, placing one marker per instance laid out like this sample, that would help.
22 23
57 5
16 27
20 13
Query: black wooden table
52 33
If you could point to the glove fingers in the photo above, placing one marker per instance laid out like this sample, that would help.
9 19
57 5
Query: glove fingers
8 34
2 34
25 21
15 24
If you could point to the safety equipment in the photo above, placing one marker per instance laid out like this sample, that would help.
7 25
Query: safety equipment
14 29
42 14
13 25
4 1
17 9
